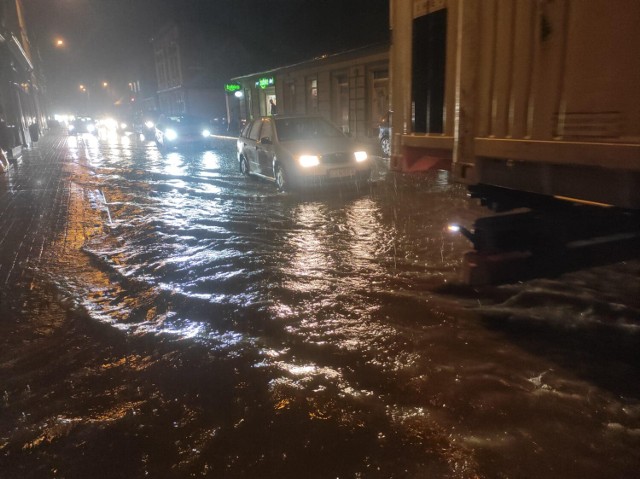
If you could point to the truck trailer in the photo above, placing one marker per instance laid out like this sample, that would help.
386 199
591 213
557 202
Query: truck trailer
535 106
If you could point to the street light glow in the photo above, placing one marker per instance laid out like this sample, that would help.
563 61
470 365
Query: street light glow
59 42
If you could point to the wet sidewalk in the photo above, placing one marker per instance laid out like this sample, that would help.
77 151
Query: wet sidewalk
35 197
58 371
34 201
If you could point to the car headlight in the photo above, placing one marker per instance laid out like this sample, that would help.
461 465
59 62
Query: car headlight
109 123
91 128
360 156
308 161
171 134
206 133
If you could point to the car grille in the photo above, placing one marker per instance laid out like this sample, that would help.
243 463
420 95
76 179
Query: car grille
337 158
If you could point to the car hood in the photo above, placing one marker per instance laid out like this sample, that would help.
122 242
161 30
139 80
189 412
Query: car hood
187 128
322 146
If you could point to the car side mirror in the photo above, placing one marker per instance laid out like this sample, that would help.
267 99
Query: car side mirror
266 141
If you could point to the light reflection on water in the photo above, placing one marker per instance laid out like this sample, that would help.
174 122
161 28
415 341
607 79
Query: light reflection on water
334 298
174 164
210 163
314 262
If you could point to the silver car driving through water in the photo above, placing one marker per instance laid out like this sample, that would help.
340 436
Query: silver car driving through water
298 151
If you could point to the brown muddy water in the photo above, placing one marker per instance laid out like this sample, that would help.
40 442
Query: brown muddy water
164 317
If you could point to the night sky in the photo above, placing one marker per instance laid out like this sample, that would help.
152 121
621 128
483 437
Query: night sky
109 40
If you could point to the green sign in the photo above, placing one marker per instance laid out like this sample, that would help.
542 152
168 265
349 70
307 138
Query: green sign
265 82
232 87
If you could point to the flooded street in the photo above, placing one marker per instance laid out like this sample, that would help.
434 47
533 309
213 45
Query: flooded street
169 318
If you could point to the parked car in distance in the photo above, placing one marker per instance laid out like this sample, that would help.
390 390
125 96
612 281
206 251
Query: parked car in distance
172 131
384 134
81 125
298 151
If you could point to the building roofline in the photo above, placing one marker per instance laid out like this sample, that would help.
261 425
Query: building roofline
16 49
373 48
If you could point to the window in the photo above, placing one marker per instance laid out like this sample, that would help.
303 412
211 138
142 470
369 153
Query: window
254 134
267 130
161 69
174 74
340 98
379 97
245 130
312 95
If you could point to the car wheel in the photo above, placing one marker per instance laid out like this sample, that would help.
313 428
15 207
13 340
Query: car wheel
244 166
385 144
280 174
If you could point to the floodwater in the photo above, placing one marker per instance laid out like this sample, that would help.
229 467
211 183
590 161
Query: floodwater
195 323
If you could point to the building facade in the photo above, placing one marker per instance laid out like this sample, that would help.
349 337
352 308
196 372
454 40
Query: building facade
351 89
185 82
22 114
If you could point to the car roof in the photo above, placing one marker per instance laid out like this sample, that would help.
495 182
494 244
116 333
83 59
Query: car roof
184 116
292 117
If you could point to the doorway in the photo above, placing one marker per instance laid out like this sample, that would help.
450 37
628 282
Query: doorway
266 95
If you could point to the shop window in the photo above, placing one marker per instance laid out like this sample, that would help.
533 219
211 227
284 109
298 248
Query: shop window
343 85
312 95
379 97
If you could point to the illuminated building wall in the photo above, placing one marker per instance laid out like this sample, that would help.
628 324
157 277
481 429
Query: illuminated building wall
350 88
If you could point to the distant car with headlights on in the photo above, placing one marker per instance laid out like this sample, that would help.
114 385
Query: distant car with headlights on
81 125
173 131
300 151
144 126
113 125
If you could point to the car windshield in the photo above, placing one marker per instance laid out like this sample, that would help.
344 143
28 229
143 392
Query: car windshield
186 120
292 129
